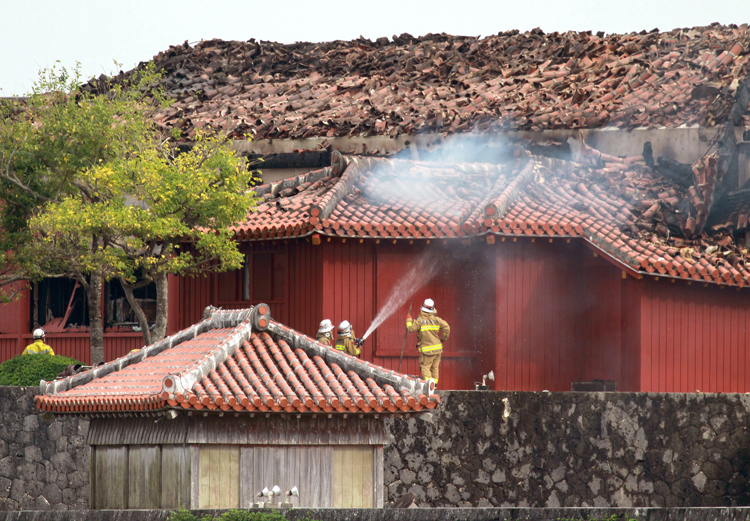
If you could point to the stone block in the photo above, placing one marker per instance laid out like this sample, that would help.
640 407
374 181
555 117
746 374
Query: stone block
452 494
61 444
69 496
54 430
32 453
31 422
24 438
78 478
414 460
390 474
17 490
27 502
34 488
5 485
63 462
425 474
52 493
7 467
61 481
407 476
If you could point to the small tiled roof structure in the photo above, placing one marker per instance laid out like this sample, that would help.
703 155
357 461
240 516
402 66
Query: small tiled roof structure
650 218
240 361
451 84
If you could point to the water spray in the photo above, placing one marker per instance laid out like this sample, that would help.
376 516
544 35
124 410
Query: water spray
420 274
404 344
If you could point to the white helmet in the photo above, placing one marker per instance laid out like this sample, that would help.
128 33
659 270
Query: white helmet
345 328
38 333
325 326
428 306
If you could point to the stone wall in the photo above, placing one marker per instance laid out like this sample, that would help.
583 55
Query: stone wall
415 514
479 449
487 449
43 465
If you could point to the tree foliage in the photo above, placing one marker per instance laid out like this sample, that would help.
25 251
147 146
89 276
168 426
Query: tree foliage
90 189
32 369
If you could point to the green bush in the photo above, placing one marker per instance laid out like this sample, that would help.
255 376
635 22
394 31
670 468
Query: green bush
31 369
231 515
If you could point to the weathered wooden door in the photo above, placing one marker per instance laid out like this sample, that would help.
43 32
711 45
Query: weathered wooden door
219 481
353 485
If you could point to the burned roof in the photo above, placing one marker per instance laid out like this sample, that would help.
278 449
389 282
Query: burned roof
241 361
652 216
452 84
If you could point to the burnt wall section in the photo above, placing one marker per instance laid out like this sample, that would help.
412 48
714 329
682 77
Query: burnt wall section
523 449
43 465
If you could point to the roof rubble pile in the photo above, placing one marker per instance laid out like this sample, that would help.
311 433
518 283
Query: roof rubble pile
445 84
656 217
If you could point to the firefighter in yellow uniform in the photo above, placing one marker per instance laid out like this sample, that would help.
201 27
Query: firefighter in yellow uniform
38 347
324 335
346 341
429 327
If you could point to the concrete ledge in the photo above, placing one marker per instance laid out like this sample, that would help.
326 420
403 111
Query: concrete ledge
416 514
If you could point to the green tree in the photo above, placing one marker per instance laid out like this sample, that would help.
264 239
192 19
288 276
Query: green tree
149 203
89 189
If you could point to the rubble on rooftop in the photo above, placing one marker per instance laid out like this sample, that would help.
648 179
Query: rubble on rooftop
647 213
449 84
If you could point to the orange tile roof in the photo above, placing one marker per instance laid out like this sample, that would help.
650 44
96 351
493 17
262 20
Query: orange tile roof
240 361
645 219
453 84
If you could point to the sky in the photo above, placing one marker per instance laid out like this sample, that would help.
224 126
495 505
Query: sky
35 34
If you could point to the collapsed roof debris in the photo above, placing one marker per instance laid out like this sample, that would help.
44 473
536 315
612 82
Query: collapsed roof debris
446 84
648 221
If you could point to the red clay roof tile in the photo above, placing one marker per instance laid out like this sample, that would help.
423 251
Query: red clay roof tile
442 83
254 370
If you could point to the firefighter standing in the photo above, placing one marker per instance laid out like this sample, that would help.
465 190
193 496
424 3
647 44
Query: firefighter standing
324 335
428 327
346 341
38 347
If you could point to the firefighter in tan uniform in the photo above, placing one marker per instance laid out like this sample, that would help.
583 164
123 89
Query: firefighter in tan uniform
346 341
325 335
429 327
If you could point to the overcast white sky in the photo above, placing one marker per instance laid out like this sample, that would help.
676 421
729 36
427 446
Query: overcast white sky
36 33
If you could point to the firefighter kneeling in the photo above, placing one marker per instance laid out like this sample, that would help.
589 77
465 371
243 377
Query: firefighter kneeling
428 327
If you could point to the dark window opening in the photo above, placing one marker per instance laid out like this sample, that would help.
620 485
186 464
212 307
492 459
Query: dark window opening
118 313
58 305
261 279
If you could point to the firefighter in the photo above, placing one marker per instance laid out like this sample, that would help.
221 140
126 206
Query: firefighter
38 347
325 336
429 327
346 341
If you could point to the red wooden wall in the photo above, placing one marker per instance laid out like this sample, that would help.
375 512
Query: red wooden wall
541 314
694 338
564 314
359 278
538 302
15 335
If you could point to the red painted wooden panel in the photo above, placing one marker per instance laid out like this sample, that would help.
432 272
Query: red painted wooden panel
305 287
695 338
73 345
631 330
539 315
600 298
